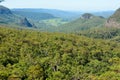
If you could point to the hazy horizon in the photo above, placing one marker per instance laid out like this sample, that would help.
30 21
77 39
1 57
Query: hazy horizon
66 5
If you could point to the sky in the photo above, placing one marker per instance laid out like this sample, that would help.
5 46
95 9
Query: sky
71 5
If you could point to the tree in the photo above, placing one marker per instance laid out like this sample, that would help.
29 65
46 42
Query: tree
35 72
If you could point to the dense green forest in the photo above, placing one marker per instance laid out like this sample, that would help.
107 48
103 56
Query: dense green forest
85 22
33 55
101 33
50 44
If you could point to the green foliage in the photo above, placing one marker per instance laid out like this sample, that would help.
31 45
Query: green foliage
32 55
35 72
116 16
54 22
82 24
102 33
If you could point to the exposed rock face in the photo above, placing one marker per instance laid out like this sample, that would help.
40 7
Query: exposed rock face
4 10
25 22
87 16
7 17
114 20
112 23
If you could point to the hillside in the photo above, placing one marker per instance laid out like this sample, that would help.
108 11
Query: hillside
4 10
86 21
33 55
66 15
5 13
69 15
43 19
34 15
114 20
7 17
79 42
101 33
56 20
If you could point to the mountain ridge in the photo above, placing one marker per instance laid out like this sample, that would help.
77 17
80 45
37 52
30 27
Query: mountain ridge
8 17
114 20
86 21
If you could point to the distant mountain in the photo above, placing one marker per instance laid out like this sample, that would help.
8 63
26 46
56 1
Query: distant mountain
114 20
34 15
86 21
87 16
5 14
4 10
9 18
105 14
51 19
45 14
66 15
25 22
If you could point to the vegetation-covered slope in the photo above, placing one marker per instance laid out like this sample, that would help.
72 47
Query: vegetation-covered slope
66 15
114 20
116 15
101 33
42 19
87 21
7 17
32 55
35 15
